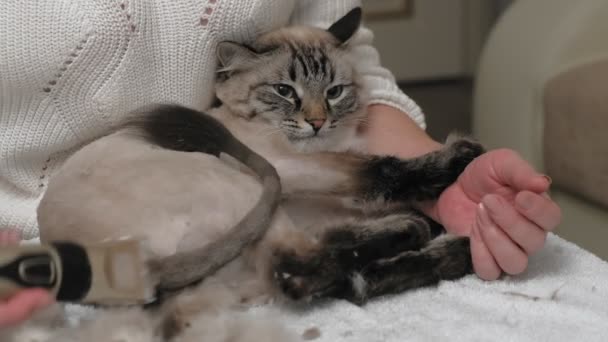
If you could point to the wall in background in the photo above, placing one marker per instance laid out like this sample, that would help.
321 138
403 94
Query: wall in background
434 39
501 6
427 44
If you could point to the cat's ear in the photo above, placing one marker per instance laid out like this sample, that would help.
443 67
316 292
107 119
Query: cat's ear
347 26
233 56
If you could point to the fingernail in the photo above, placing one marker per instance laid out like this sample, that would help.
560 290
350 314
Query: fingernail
524 200
483 217
548 179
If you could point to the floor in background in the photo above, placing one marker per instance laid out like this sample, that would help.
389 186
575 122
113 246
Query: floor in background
447 105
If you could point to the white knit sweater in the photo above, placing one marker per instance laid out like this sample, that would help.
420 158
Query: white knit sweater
69 68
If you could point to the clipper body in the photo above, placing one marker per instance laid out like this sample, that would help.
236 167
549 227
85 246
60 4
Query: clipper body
108 273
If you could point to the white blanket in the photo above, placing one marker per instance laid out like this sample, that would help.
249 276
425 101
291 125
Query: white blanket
562 297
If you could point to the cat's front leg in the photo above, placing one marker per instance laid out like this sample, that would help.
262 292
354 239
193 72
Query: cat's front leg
418 179
368 179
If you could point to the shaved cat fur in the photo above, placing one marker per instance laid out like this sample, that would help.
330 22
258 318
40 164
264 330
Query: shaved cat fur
346 227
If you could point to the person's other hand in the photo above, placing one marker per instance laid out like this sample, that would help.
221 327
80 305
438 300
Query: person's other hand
25 303
500 201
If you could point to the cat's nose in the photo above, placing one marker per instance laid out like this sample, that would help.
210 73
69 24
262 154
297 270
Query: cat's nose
316 124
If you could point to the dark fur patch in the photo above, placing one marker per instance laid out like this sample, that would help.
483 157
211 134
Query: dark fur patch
183 129
346 27
417 179
292 71
449 259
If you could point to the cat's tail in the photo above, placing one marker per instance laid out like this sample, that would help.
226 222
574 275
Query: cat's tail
179 128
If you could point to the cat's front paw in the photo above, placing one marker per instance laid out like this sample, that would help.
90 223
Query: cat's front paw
461 151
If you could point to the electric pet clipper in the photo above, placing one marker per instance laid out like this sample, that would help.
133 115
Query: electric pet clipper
107 273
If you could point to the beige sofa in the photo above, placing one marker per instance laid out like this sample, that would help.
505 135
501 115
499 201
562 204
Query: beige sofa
542 89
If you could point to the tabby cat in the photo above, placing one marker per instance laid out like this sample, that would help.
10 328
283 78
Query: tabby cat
345 227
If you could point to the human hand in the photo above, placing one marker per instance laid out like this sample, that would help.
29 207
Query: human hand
24 304
500 201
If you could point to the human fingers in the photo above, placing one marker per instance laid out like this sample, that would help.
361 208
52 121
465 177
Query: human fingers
509 257
525 233
484 264
9 237
539 209
23 305
512 170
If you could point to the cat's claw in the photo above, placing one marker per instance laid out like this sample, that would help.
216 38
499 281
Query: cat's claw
296 287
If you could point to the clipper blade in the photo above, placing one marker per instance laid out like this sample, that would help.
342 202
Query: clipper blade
120 273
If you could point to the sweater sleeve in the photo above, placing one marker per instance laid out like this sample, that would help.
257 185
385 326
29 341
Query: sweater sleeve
378 79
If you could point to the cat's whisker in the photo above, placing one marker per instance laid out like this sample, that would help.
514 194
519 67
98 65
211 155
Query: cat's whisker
269 132
356 121
359 119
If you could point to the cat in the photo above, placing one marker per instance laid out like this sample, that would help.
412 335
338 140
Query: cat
295 98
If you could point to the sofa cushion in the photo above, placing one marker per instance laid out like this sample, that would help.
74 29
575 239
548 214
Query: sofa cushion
575 135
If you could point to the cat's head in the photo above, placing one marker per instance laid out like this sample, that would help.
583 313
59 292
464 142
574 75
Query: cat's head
297 79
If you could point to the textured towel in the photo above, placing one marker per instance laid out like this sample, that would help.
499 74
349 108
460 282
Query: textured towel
563 296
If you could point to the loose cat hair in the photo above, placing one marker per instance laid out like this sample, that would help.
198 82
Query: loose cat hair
346 226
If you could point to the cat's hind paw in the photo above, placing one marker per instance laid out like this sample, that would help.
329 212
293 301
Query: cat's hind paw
305 280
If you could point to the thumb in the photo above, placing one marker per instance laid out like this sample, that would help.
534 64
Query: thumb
23 305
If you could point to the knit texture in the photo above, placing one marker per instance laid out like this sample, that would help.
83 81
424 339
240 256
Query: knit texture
70 68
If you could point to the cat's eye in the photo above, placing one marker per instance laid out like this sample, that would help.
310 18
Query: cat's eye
284 90
334 92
